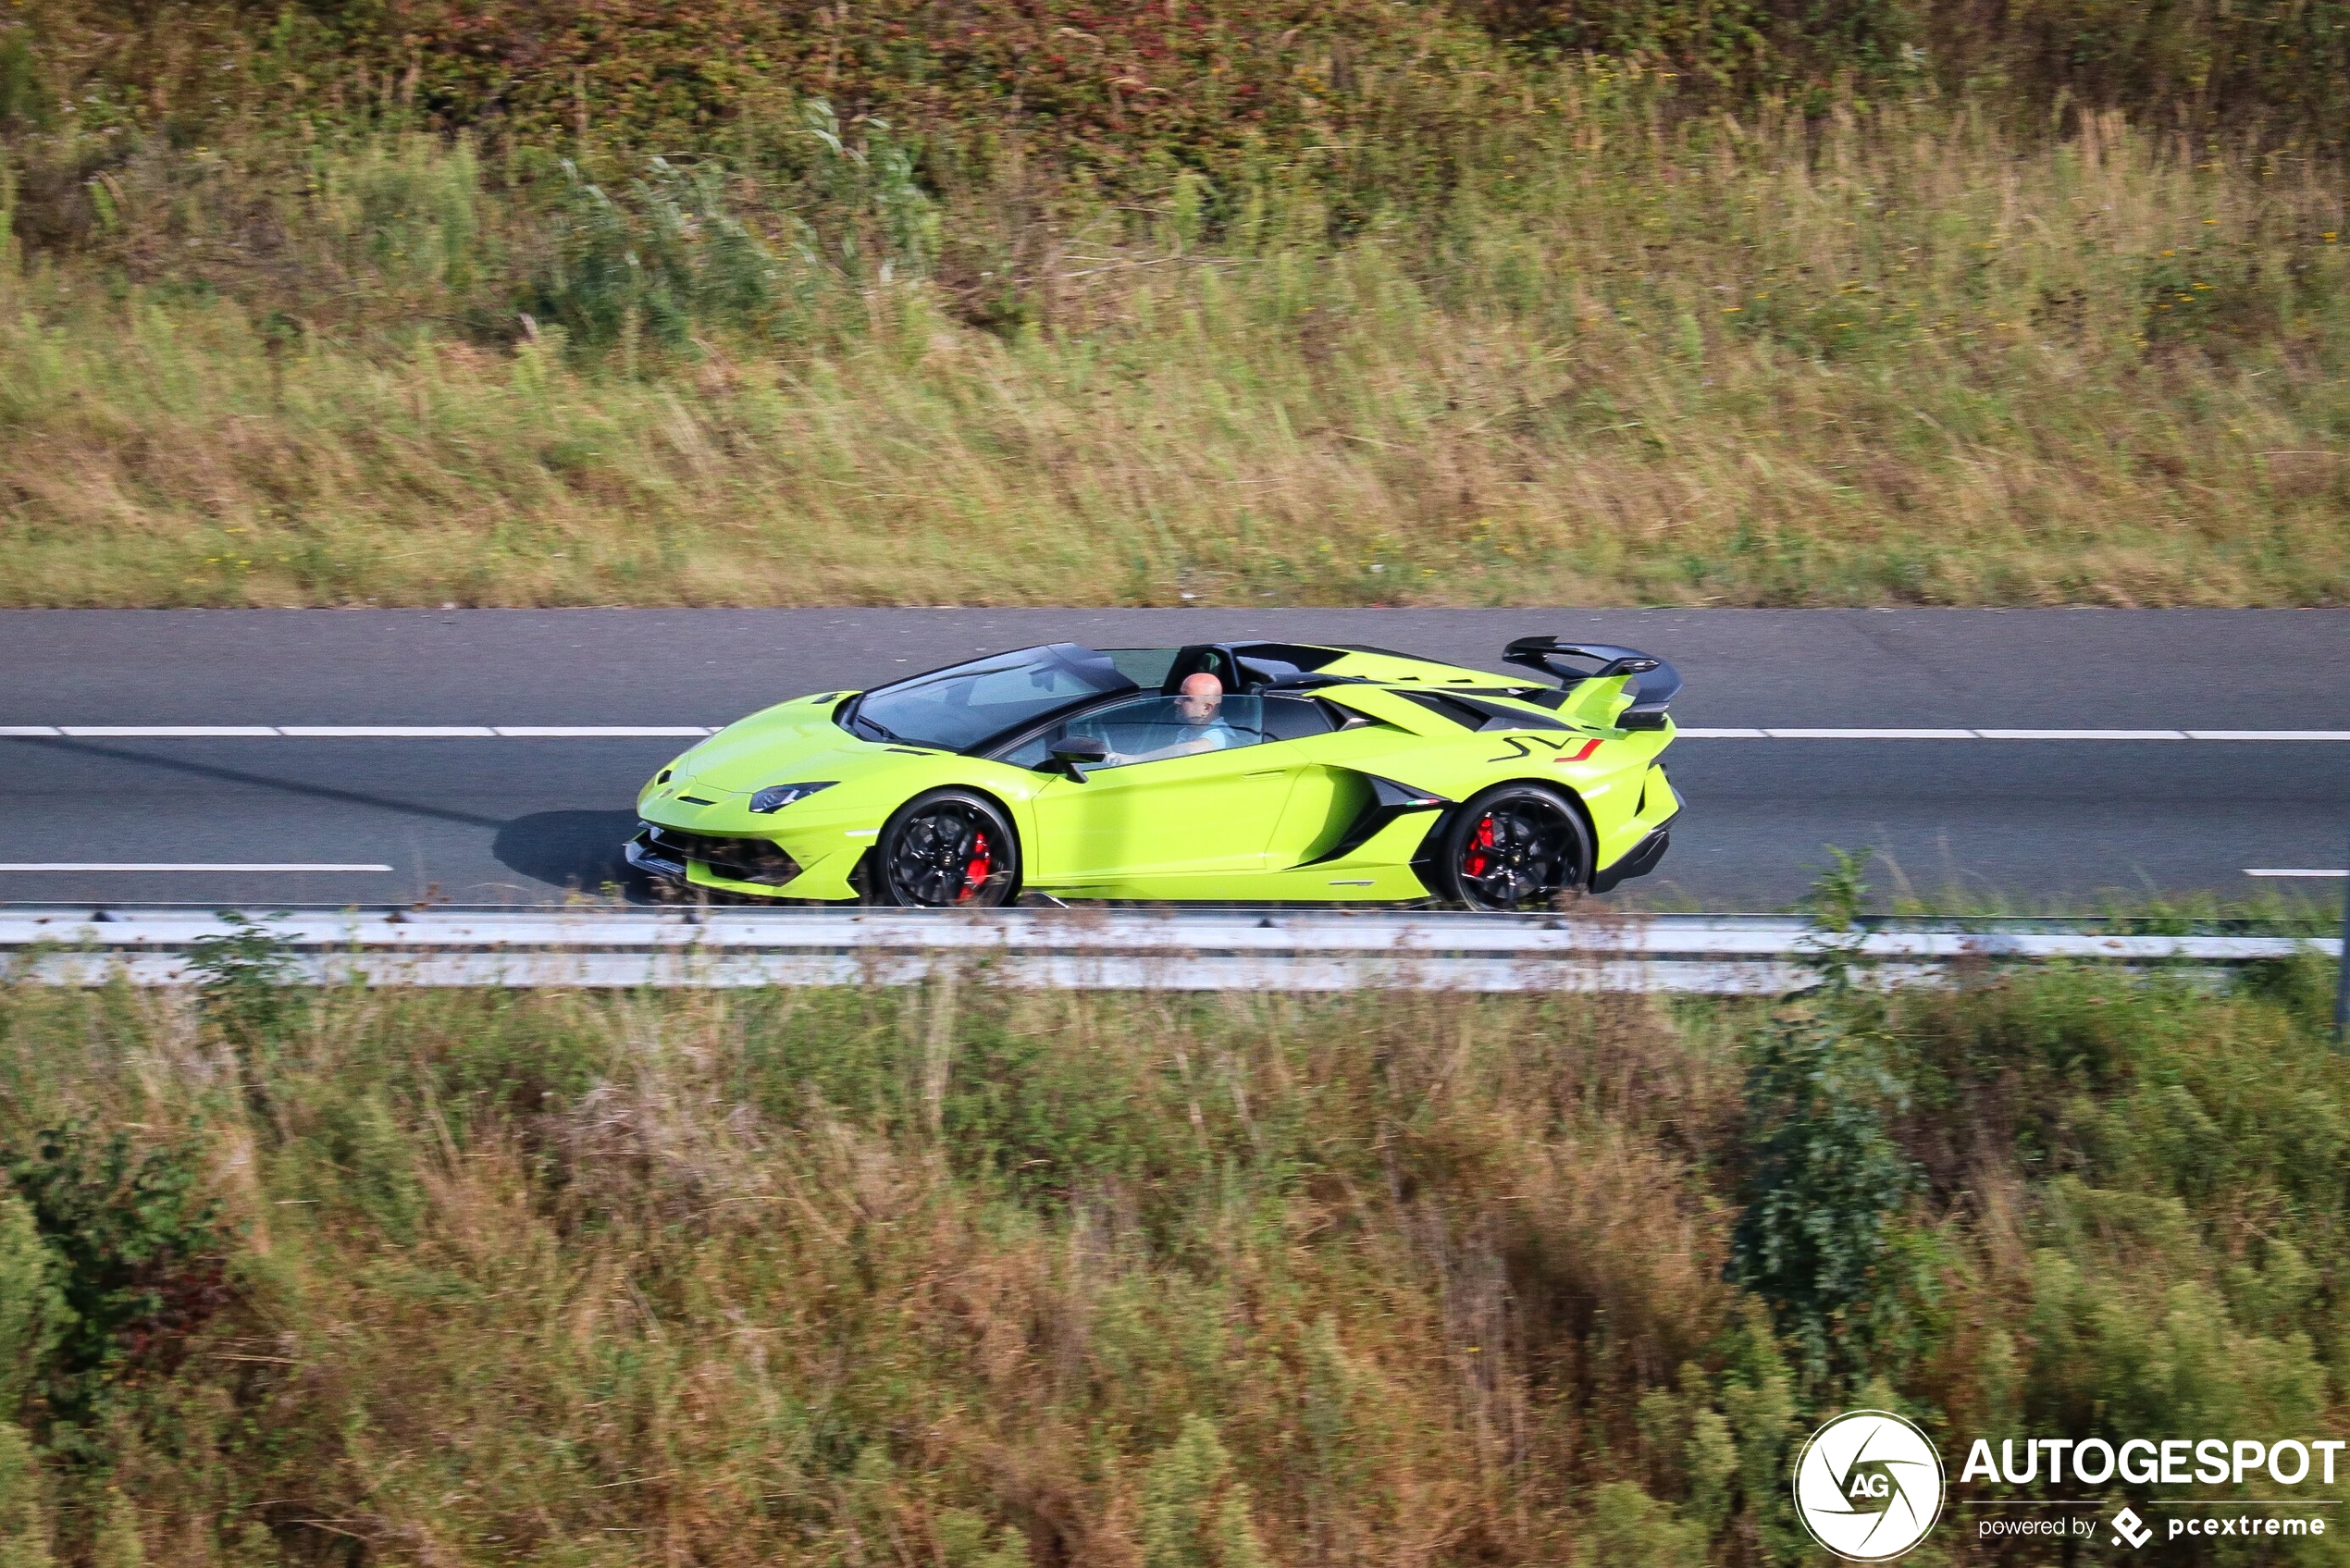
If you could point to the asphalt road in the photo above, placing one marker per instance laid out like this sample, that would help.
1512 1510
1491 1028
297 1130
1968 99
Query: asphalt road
522 820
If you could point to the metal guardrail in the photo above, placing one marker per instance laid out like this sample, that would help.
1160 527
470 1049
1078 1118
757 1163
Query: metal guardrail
1101 949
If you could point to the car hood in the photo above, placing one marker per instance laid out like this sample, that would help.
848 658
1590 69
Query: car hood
782 745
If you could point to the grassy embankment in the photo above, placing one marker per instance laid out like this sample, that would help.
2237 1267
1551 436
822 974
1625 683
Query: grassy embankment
1458 327
972 1278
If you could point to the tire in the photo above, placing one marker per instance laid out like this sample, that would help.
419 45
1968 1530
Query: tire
1516 846
949 849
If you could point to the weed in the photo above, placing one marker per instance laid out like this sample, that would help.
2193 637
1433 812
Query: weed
244 981
1838 896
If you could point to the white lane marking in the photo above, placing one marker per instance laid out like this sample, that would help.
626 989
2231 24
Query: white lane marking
2255 871
696 732
388 732
2269 735
361 731
184 866
2083 734
599 732
1871 735
176 732
2012 735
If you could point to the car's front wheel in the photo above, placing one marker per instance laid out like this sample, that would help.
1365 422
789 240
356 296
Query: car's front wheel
952 848
1516 846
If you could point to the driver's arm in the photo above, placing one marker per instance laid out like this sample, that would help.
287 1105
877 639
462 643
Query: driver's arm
1172 748
1215 737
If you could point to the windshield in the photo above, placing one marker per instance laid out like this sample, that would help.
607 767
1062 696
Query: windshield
963 705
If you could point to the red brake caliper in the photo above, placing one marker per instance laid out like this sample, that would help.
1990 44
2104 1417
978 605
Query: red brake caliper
975 869
1475 860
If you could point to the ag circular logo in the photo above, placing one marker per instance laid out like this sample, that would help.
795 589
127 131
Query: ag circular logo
1868 1486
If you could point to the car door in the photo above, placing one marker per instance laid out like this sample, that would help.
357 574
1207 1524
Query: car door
1179 805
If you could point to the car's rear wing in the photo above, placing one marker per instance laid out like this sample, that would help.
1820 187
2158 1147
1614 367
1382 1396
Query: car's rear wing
1650 684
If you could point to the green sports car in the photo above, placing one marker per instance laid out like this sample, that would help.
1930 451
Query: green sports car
1254 771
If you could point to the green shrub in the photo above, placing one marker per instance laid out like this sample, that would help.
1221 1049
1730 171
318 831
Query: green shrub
24 1522
137 1256
1195 1509
965 1541
1632 1529
1825 1187
118 1543
32 1314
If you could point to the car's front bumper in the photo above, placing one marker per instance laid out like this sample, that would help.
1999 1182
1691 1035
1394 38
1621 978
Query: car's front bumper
753 867
758 862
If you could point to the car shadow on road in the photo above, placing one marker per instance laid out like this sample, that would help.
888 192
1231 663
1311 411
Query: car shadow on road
577 851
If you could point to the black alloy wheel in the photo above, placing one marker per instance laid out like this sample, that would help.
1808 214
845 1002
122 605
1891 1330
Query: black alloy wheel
951 849
1519 846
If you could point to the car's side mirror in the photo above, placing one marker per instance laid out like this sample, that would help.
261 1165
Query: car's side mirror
1073 752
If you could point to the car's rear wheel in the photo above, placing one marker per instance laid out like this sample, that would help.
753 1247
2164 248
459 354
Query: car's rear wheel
952 848
1516 846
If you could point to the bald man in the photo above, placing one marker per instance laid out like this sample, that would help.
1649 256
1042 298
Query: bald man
1200 724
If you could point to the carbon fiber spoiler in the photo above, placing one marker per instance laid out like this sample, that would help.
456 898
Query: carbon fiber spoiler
1652 686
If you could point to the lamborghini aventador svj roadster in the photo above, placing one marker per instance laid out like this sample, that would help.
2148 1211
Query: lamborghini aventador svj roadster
1246 771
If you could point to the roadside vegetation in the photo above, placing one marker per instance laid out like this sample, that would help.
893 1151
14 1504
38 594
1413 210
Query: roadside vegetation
966 1277
1853 886
1359 303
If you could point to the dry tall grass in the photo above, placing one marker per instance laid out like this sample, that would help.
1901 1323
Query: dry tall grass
1891 360
976 1278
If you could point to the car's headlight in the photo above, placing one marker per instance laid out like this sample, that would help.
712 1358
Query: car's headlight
774 797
